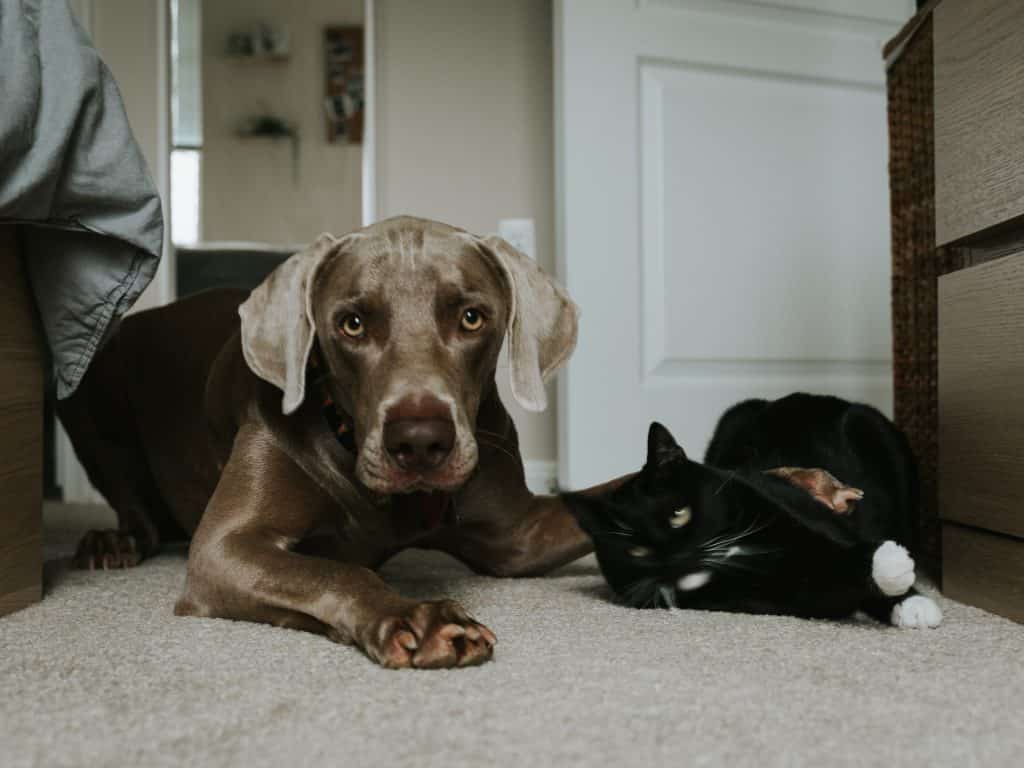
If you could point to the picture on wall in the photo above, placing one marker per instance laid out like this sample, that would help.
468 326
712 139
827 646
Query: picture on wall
345 80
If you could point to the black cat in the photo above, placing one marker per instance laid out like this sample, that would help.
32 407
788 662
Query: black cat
764 526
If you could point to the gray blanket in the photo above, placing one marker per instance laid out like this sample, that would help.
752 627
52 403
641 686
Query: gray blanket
73 177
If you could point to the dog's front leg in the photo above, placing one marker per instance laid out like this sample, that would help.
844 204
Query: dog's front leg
241 566
543 536
508 531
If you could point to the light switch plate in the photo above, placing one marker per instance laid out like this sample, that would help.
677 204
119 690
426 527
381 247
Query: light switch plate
521 234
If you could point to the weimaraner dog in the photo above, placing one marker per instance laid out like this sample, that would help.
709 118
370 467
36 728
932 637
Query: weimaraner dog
343 411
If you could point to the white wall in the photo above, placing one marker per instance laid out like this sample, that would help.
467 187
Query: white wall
465 122
247 190
464 93
130 36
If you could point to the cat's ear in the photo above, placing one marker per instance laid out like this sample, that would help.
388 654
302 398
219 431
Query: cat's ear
661 446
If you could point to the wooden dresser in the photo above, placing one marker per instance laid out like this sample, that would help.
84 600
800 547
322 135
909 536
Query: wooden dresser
979 221
21 434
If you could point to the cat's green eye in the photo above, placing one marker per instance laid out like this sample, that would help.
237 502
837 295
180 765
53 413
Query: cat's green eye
639 551
680 517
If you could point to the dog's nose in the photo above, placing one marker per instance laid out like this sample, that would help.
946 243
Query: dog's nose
419 435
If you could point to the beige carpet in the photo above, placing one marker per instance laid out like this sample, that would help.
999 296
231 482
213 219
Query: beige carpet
101 674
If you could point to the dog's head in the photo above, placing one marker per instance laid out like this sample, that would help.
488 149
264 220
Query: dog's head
409 316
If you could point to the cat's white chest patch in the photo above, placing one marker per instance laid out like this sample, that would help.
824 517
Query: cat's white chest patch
695 580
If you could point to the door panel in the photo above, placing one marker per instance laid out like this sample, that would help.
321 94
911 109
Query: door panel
723 217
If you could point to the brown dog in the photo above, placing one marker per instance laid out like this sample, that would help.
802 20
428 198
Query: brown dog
189 422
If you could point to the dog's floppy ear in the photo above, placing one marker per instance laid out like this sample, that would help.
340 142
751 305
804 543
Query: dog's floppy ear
277 321
541 324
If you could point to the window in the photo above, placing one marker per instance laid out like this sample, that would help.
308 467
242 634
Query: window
186 120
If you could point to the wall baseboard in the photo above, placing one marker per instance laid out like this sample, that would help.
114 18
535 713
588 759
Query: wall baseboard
541 476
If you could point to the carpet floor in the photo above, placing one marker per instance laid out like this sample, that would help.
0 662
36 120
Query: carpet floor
100 673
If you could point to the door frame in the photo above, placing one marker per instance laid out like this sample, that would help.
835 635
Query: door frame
369 159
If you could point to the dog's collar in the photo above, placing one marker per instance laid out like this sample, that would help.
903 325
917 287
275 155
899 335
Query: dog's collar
340 423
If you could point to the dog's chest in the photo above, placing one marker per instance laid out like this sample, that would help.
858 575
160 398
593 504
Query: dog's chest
415 515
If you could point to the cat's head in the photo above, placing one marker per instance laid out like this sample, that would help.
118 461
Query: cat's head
667 529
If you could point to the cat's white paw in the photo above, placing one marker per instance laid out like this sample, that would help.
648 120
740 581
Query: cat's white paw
916 612
892 568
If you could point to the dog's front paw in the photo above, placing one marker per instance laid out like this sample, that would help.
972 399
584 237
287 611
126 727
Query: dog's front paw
916 612
107 549
429 635
892 569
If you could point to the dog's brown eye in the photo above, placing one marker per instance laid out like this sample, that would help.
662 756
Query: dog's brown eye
353 326
472 320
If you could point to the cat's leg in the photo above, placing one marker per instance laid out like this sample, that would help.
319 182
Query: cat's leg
822 485
867 576
895 601
892 569
909 611
915 612
887 574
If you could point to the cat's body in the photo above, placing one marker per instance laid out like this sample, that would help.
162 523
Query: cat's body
763 526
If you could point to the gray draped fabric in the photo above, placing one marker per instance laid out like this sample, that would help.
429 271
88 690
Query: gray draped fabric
73 177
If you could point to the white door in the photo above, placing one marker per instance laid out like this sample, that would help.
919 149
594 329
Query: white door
723 213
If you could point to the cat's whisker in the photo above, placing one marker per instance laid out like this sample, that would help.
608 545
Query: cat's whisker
490 434
668 594
729 540
623 528
730 563
735 545
737 551
717 540
632 591
725 482
751 530
642 593
624 534
496 446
